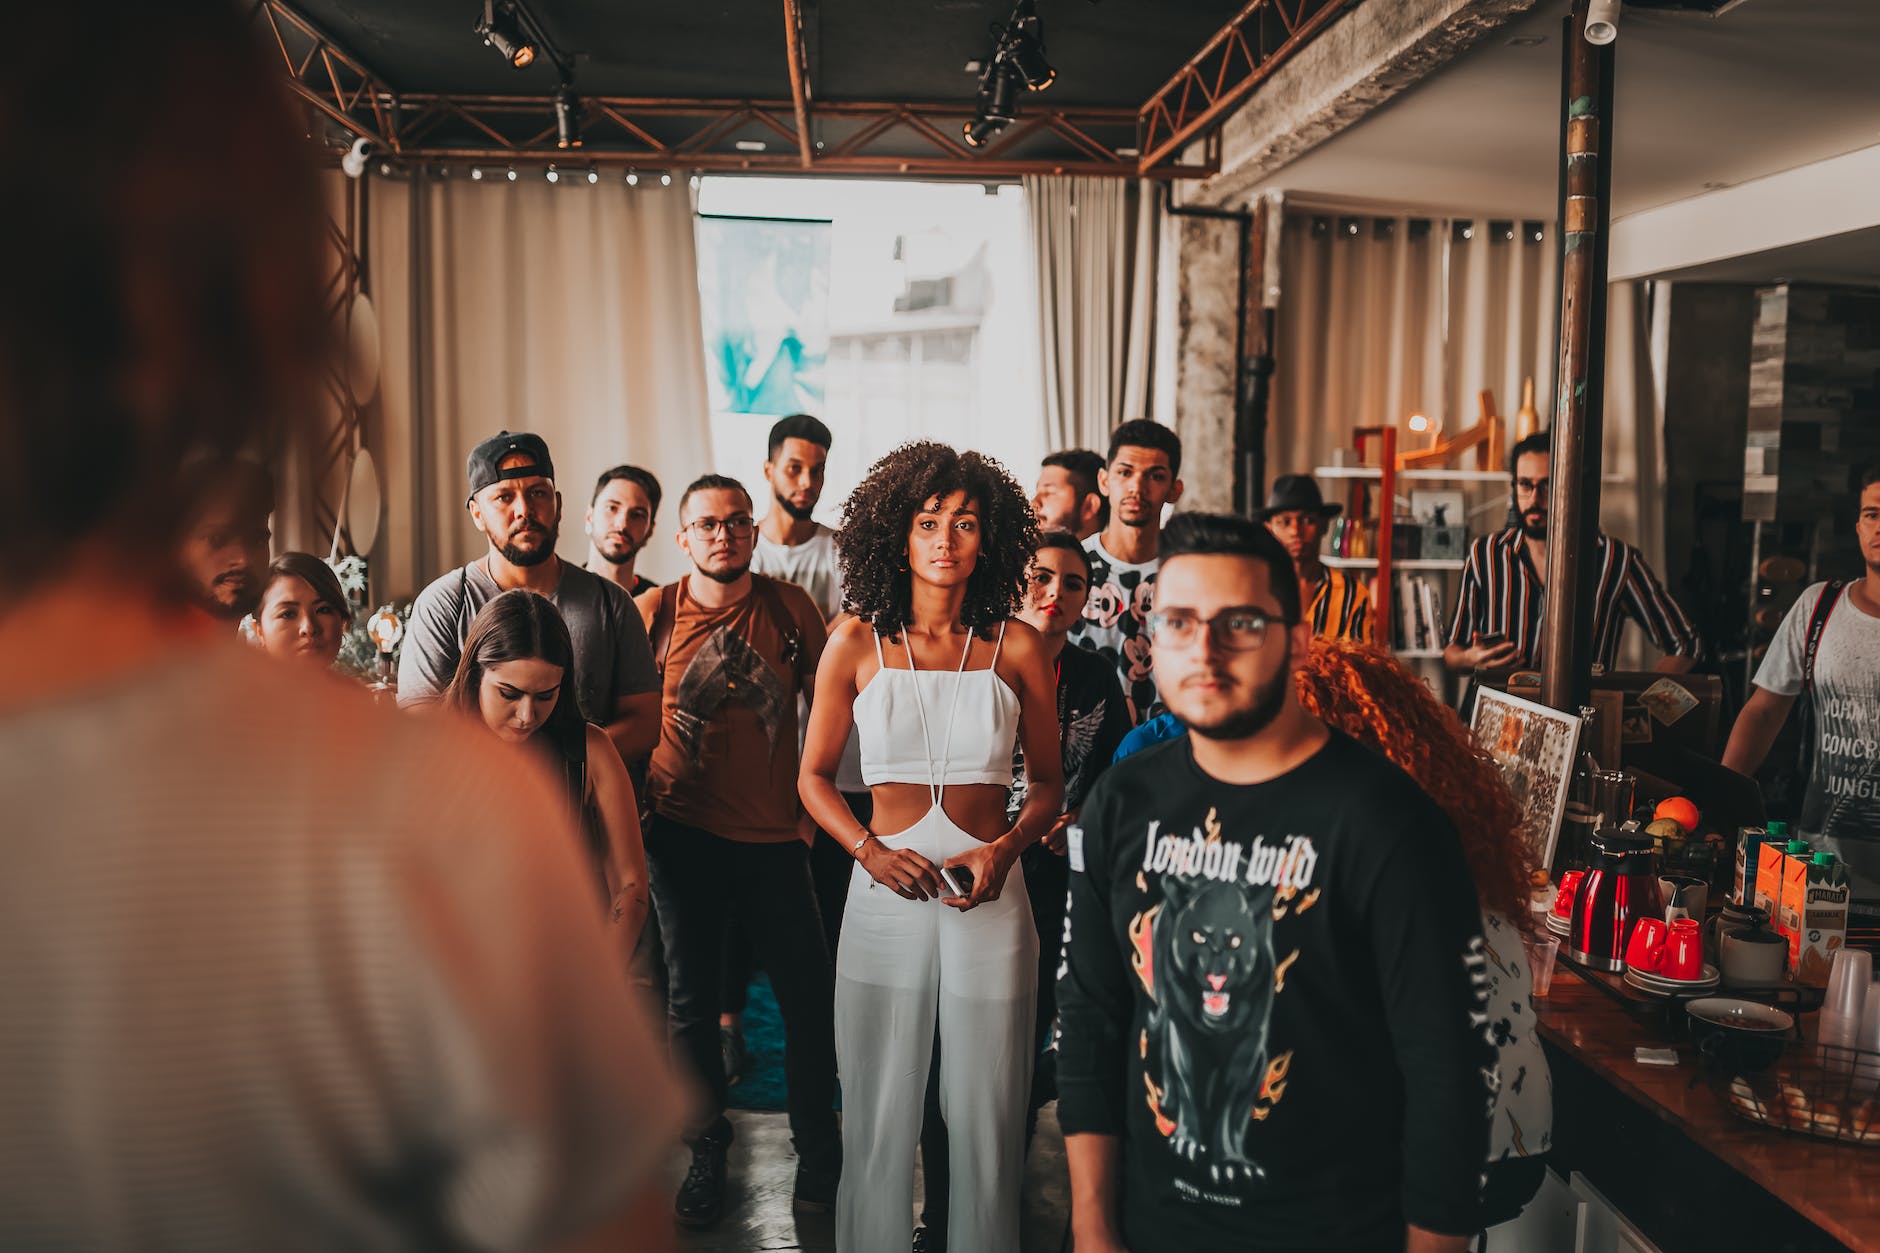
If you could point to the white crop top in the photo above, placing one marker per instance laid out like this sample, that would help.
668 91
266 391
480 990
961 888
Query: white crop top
973 745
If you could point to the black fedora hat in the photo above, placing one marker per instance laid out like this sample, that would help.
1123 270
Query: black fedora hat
1296 491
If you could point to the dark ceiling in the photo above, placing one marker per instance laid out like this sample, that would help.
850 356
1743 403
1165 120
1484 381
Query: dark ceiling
1112 53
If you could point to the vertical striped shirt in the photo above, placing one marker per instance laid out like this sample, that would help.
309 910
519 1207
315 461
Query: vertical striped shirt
1340 607
1502 593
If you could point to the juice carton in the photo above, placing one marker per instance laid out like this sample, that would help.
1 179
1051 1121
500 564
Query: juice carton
1825 892
1769 857
1749 844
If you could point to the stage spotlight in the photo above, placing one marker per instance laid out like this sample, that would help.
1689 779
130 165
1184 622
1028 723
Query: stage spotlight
353 164
501 31
998 104
567 118
553 175
633 178
1025 49
665 180
594 176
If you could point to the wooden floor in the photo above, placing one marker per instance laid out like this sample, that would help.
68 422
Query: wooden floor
758 1216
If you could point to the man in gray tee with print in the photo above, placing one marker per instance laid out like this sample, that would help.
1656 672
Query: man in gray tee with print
514 503
1842 805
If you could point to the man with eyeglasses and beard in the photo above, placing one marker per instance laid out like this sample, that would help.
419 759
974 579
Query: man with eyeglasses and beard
1504 592
514 503
1273 996
619 522
734 650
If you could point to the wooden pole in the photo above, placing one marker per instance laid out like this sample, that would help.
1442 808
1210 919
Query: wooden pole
799 77
1579 403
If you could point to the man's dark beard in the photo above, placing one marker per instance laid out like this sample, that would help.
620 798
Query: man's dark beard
1534 531
232 611
517 557
723 576
800 514
1268 700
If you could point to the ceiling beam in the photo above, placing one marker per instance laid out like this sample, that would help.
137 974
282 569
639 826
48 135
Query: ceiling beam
799 75
1214 82
329 78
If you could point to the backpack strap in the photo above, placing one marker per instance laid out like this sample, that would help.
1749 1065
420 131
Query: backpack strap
1817 623
660 637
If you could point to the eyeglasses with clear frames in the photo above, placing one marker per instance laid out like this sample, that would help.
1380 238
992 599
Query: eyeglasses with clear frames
707 528
1234 630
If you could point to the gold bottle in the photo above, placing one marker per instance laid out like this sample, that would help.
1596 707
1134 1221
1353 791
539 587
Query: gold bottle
1526 421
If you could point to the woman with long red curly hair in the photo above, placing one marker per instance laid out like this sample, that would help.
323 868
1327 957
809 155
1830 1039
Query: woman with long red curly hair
1363 691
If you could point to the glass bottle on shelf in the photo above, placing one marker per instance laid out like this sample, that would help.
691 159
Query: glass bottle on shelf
1580 818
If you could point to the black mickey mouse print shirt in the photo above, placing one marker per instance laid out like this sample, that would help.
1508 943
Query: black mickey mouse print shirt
1276 994
1113 625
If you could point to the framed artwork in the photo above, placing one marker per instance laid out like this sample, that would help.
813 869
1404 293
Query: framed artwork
1535 746
1439 508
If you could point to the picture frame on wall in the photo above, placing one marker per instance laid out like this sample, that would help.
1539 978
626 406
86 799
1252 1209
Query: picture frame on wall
1535 746
1442 518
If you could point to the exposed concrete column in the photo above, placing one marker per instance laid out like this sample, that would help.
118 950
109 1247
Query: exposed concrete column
1204 272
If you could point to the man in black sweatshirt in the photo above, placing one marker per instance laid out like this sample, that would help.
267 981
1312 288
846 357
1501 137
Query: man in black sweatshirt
1274 990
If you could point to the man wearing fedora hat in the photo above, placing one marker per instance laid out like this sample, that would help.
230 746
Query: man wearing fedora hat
1339 605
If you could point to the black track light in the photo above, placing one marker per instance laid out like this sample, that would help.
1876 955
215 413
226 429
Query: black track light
1025 48
998 104
502 31
567 118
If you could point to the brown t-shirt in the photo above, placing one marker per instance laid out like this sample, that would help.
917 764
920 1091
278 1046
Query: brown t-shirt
727 755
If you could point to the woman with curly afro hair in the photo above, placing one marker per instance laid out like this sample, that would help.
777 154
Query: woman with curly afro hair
938 683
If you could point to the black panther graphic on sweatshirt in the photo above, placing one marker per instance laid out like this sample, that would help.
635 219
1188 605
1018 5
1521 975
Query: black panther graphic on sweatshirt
1276 995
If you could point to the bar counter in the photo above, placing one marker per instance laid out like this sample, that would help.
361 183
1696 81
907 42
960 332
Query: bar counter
1680 1165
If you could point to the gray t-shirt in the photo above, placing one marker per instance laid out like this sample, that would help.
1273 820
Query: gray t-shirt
612 657
1842 805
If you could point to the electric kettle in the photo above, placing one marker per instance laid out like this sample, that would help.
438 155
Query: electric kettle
1620 887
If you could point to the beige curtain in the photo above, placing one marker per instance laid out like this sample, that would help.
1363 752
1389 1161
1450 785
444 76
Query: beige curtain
1093 245
1384 317
570 310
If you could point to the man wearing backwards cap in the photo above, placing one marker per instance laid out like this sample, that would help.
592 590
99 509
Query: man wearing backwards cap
1339 605
514 503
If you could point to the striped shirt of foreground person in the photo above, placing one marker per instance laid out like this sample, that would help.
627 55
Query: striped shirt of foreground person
287 972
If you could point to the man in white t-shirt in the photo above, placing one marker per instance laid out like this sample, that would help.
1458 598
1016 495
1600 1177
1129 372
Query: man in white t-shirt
1140 476
791 544
1841 807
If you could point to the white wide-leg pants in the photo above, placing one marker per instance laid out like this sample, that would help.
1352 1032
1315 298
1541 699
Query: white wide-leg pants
900 963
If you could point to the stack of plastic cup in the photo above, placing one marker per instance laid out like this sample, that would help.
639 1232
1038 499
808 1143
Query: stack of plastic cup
1841 1012
1867 1039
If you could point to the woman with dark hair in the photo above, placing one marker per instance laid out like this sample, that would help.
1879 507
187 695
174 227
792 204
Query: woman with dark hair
302 615
516 677
939 684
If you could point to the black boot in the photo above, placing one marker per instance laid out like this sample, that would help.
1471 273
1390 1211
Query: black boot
701 1200
817 1177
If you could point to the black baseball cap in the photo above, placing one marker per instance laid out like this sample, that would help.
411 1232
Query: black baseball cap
485 459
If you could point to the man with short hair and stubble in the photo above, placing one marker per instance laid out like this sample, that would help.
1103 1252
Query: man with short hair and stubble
1829 646
224 551
513 502
1140 477
1067 497
619 521
791 544
280 972
1273 998
1503 599
734 650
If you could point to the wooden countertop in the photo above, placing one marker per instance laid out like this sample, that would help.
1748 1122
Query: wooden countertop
1832 1185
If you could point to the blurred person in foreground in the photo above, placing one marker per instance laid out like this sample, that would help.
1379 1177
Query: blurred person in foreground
303 613
320 990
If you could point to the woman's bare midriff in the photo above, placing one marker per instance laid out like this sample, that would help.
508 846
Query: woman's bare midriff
975 808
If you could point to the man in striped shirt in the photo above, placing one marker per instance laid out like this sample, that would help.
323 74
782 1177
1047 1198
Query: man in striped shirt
1337 604
1499 610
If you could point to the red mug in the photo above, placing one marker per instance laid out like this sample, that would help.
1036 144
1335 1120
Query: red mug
1563 895
1646 949
1683 951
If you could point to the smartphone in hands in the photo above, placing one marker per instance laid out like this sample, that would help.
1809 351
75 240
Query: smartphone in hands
959 879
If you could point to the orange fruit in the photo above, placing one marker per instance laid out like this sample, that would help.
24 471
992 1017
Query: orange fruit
1679 810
